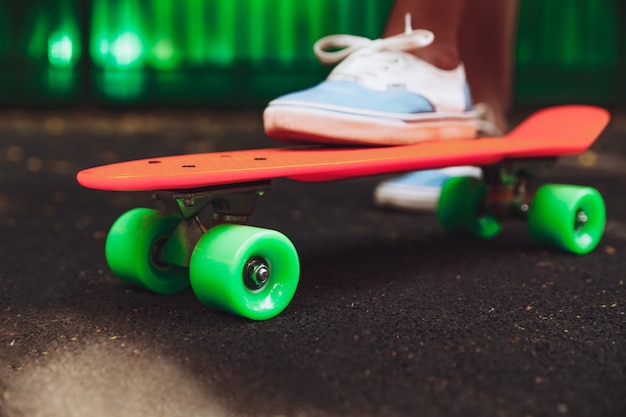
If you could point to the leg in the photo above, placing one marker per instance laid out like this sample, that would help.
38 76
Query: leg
486 41
442 17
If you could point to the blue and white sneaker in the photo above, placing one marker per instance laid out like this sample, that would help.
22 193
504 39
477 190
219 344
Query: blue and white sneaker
419 190
378 94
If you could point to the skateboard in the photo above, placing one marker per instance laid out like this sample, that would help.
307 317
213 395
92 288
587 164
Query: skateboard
254 272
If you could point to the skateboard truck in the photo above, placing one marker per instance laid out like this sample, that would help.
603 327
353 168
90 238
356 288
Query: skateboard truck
509 187
232 204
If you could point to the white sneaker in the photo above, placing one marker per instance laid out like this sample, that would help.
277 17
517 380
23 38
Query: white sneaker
379 94
419 190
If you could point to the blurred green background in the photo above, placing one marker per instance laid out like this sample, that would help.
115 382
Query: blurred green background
245 52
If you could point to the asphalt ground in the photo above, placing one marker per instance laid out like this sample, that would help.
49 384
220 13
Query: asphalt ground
393 317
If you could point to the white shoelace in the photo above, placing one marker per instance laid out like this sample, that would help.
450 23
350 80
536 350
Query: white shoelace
334 48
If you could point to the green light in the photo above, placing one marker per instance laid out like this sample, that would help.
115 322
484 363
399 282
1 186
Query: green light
60 50
162 34
99 33
103 47
163 50
164 55
126 49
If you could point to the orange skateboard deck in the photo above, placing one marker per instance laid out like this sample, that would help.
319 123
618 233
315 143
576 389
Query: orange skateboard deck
552 132
254 272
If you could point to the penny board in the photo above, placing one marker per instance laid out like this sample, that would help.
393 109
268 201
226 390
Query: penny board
551 132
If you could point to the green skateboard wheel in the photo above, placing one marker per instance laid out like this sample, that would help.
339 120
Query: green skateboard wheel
245 270
132 251
461 205
567 217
